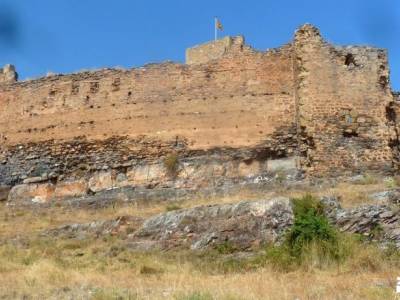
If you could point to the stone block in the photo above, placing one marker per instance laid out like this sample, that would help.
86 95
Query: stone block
249 169
101 181
282 164
147 174
71 189
41 192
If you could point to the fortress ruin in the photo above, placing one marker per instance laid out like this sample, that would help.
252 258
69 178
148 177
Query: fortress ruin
230 114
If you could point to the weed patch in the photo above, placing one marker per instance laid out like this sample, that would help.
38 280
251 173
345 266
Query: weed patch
171 163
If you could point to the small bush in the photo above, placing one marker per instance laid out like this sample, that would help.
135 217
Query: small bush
226 247
311 241
311 230
171 163
172 207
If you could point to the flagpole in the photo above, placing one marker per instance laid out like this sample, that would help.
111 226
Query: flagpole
215 28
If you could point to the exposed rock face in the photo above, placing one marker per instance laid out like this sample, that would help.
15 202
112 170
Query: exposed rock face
243 225
378 222
84 167
387 197
94 229
36 193
248 224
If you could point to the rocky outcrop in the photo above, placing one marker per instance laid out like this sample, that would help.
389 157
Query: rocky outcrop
248 224
379 223
239 226
388 197
242 225
83 168
120 225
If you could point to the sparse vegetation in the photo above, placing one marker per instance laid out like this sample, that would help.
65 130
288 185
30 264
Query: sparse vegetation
171 163
313 262
226 248
367 179
195 296
172 207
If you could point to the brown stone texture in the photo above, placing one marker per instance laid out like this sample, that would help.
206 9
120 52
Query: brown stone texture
234 101
8 74
228 113
342 94
214 50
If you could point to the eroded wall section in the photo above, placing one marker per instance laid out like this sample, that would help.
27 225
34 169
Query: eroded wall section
224 119
342 95
237 100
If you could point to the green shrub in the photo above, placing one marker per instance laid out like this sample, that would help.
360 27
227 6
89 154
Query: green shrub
311 241
311 230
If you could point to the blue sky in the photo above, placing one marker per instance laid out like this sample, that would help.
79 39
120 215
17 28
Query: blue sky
63 36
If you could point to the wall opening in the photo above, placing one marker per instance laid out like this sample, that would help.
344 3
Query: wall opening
349 134
383 81
390 113
350 60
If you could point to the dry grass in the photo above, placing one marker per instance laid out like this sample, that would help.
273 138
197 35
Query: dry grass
95 270
104 268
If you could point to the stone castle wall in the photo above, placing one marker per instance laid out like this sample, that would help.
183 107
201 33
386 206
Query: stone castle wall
343 94
231 114
214 50
234 101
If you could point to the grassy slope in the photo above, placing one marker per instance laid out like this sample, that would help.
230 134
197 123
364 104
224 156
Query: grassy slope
104 268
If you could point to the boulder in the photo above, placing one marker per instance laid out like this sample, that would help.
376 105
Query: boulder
380 223
143 175
37 193
242 225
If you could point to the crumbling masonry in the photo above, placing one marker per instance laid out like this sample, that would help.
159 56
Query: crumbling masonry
229 114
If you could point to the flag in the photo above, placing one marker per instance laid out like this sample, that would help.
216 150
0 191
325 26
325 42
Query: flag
218 25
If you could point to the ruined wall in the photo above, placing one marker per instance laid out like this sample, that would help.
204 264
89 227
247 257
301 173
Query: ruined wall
8 74
225 118
231 115
235 101
214 50
342 95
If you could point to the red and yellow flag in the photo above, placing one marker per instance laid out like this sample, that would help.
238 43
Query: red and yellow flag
218 24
